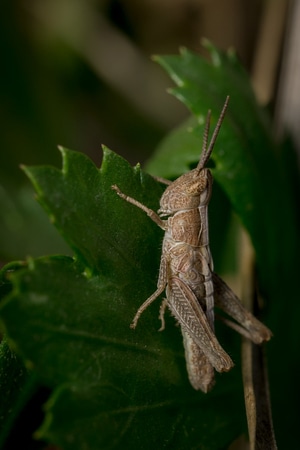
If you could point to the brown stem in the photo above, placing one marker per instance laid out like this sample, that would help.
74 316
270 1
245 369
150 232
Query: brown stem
255 379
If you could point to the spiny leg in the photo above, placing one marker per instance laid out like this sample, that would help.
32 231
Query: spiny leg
247 324
161 285
163 180
234 326
145 305
152 214
162 311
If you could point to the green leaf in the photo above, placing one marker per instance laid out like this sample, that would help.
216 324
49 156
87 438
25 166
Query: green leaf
15 386
25 228
108 380
248 164
244 146
69 317
82 207
261 180
107 418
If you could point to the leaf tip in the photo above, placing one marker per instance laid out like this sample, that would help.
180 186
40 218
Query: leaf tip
61 149
213 51
29 172
183 51
63 152
232 55
156 58
25 169
106 151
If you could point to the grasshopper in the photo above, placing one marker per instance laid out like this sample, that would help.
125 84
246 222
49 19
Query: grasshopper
186 271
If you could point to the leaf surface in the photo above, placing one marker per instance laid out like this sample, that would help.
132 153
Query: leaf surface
248 164
261 180
109 380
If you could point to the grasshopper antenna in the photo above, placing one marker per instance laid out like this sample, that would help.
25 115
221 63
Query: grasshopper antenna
206 152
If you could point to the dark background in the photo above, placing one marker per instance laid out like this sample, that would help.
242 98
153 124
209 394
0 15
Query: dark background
79 72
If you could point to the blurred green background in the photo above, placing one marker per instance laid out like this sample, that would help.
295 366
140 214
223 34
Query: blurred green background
79 73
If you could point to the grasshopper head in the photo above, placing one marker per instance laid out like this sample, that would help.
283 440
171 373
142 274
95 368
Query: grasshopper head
189 191
193 189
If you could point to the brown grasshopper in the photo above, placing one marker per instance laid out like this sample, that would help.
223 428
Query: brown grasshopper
186 271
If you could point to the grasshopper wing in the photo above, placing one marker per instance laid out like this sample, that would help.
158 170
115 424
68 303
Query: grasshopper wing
192 319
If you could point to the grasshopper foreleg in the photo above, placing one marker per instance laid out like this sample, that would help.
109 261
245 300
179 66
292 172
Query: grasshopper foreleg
152 214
